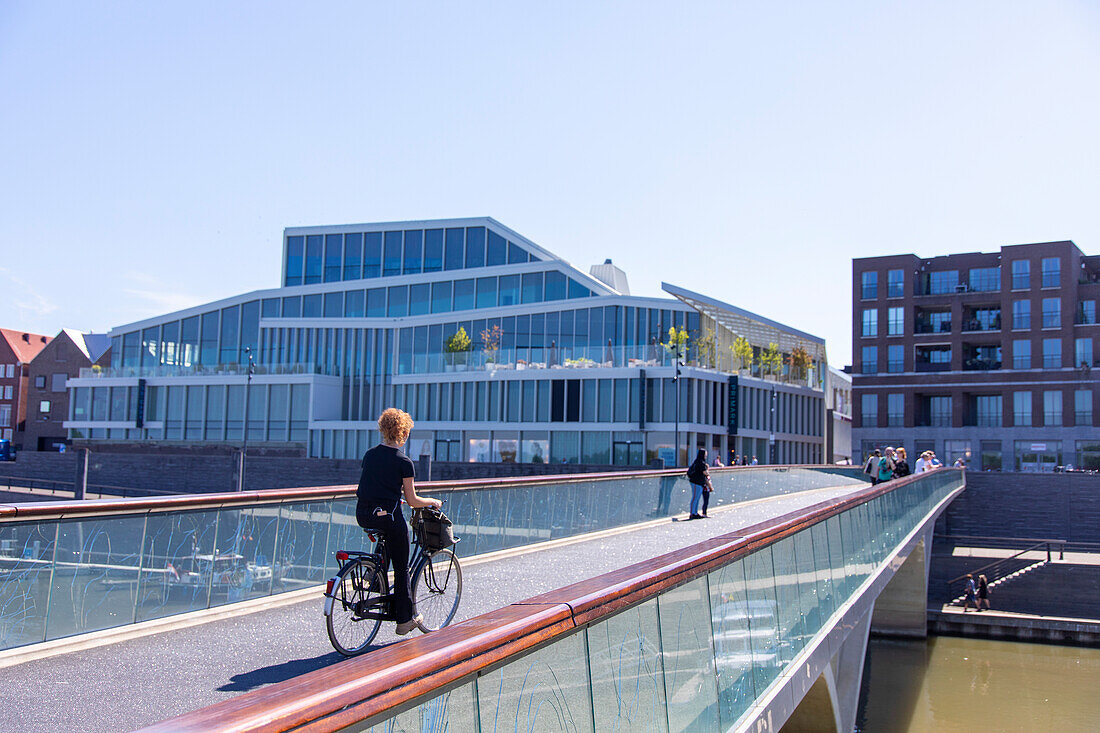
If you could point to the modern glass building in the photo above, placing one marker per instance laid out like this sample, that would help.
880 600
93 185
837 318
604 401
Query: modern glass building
500 350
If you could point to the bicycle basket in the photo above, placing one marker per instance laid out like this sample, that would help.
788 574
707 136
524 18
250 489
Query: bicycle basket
434 529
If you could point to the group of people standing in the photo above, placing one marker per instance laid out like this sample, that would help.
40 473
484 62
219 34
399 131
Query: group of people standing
892 463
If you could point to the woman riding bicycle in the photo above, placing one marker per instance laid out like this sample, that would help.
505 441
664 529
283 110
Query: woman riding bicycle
387 475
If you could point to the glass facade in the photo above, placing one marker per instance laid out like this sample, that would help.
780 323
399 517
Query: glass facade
516 353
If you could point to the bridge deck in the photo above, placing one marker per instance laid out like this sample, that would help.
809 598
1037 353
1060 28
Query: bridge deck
139 681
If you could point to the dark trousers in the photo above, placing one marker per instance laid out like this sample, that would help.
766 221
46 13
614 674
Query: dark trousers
396 532
706 501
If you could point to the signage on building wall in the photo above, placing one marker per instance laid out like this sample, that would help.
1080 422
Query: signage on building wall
139 419
732 409
1038 447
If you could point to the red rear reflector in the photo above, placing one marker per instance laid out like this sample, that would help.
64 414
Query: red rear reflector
371 537
328 586
342 556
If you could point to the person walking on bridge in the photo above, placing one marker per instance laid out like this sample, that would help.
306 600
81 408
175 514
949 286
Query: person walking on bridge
699 476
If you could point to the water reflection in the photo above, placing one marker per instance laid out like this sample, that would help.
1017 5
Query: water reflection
950 684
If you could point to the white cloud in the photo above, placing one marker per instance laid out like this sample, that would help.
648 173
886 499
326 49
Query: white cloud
27 302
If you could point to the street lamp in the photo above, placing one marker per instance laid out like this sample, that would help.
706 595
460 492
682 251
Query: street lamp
676 387
244 430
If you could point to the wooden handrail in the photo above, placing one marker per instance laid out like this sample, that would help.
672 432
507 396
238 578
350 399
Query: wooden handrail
41 511
368 686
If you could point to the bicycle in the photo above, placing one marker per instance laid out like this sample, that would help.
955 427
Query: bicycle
359 598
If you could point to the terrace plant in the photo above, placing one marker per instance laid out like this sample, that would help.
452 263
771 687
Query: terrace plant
457 346
677 343
799 361
742 349
490 342
707 346
771 359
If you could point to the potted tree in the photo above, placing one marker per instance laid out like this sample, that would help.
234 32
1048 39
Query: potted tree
490 344
799 360
456 347
772 361
742 349
677 343
707 346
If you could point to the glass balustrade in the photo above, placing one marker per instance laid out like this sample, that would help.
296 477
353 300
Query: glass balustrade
71 576
697 656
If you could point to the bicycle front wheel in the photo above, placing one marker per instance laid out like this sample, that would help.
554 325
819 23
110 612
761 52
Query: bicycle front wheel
437 589
356 593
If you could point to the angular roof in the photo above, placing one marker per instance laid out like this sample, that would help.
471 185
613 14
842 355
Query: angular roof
25 345
94 345
757 329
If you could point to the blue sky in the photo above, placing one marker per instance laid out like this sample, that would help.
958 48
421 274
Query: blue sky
153 152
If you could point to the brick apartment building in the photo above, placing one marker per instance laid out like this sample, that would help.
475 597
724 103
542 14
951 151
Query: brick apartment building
47 397
17 350
988 356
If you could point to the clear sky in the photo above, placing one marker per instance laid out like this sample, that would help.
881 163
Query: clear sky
151 153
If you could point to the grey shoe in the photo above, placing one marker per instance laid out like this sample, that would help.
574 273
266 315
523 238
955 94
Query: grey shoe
407 626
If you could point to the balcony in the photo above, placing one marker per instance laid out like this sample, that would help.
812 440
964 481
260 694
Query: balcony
981 365
932 327
933 366
980 323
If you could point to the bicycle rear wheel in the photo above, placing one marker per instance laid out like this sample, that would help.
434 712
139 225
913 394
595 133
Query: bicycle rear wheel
437 589
357 591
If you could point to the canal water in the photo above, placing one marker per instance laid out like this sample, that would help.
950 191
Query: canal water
948 684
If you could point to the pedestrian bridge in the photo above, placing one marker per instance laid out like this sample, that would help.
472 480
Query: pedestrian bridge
760 627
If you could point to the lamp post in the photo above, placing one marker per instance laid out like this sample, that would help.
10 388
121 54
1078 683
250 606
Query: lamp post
676 386
244 427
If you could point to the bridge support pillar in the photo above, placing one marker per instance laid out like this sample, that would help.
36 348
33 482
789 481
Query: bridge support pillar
902 607
831 704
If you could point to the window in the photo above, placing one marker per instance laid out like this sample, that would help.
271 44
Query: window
40 382
1052 271
1052 408
414 251
869 286
943 282
1052 313
895 283
354 304
870 322
334 255
1021 315
870 360
294 260
372 254
353 256
985 279
1082 406
895 358
57 382
5 414
7 392
10 371
869 410
939 411
441 297
895 410
1086 312
895 321
1021 354
1021 409
391 254
1021 274
314 258
1052 353
988 410
1082 352
433 250
44 407
463 295
334 305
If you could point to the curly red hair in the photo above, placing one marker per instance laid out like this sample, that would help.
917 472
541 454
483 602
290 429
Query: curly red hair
395 425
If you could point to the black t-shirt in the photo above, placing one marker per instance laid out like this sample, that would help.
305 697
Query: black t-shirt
384 470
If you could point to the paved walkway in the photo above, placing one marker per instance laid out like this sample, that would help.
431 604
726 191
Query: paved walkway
140 681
